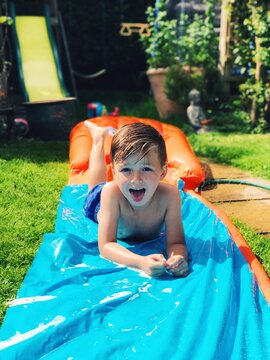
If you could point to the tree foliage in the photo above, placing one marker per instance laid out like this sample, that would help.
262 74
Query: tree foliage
161 47
199 43
250 21
198 59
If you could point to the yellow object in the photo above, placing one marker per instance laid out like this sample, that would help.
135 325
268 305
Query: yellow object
6 20
38 62
128 29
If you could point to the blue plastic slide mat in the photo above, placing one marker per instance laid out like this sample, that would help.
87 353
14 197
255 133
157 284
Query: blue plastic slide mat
73 304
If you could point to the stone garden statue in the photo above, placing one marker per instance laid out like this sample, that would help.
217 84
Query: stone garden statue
195 112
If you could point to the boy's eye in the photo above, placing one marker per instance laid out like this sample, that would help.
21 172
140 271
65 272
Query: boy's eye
147 168
125 169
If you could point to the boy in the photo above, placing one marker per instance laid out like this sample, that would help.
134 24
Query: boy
136 204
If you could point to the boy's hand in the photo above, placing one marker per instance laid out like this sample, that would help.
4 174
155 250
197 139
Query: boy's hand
153 265
177 265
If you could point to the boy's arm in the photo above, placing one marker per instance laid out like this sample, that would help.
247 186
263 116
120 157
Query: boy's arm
177 262
108 217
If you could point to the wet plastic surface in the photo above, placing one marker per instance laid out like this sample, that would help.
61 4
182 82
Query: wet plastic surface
75 305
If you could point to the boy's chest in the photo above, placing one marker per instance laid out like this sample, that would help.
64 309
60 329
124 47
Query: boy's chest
146 224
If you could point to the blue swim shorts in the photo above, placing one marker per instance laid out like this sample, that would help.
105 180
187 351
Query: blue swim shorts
92 202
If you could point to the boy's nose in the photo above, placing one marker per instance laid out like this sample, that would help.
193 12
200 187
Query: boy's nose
136 176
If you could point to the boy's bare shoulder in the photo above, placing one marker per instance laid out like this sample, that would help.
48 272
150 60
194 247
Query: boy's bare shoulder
110 195
111 187
169 191
168 188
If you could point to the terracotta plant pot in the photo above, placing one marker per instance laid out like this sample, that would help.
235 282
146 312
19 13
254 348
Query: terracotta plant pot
164 105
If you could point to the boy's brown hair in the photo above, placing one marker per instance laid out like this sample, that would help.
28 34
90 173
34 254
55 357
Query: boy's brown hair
137 138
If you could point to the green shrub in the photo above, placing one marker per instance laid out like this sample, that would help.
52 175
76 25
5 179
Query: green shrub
161 47
198 64
180 80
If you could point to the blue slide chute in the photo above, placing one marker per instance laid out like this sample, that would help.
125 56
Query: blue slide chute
73 304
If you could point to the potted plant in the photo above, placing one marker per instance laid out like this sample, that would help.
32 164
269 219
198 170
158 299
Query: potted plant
161 49
178 64
198 68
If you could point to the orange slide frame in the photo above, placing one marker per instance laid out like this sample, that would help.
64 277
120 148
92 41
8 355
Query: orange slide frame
182 164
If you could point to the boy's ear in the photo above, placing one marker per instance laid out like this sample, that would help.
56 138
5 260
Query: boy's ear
164 171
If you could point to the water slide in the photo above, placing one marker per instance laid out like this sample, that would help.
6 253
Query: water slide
74 304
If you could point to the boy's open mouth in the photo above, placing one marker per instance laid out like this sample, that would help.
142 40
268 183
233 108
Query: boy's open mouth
137 195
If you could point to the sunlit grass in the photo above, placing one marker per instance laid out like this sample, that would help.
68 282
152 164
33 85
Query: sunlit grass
32 176
247 151
259 244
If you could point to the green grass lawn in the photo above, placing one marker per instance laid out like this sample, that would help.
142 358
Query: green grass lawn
33 174
249 152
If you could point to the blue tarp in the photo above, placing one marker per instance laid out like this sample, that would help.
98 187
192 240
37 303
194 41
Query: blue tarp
73 304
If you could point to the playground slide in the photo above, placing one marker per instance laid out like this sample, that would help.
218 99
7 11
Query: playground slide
39 67
73 304
50 112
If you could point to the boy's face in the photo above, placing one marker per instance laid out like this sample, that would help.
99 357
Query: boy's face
138 178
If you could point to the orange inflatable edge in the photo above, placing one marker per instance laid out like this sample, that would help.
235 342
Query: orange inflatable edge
254 264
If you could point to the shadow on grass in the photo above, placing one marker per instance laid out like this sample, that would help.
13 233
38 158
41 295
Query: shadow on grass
35 151
131 103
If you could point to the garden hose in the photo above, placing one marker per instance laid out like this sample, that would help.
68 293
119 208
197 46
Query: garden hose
230 181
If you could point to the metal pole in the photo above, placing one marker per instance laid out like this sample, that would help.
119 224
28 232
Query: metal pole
62 28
